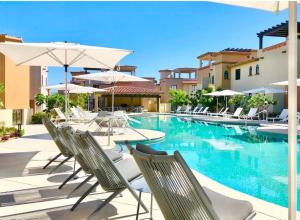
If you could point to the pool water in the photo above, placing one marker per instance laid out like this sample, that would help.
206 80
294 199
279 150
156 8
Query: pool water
236 156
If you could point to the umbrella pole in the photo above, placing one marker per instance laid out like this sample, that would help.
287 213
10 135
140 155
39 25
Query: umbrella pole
113 98
217 104
66 91
292 110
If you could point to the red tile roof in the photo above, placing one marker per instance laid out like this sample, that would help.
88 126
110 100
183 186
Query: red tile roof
129 90
275 46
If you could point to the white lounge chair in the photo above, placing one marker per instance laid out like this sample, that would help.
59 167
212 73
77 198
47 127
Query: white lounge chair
179 108
220 113
194 110
283 117
205 111
236 114
200 109
251 114
60 114
187 110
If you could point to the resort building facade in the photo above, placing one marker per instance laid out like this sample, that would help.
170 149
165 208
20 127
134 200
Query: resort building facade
180 78
213 66
21 84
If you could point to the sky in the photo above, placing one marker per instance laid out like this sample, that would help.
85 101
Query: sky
163 35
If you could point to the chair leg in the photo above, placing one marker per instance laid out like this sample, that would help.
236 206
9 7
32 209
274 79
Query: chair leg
80 185
137 199
52 160
60 164
84 195
105 202
138 206
70 177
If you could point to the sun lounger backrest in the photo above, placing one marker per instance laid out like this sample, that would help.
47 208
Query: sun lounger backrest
237 112
174 186
220 112
252 112
200 110
60 113
178 108
101 165
205 110
284 114
188 108
66 134
225 111
51 128
75 113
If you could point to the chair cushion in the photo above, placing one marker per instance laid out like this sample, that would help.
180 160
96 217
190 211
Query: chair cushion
228 208
128 168
148 150
112 154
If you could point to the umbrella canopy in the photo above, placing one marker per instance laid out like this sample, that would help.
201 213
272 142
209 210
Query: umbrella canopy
111 77
63 86
264 90
226 92
285 83
63 54
88 90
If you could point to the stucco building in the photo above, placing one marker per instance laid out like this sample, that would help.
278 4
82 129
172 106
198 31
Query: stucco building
180 78
21 84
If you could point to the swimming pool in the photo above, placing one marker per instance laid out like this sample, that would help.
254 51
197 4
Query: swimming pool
236 156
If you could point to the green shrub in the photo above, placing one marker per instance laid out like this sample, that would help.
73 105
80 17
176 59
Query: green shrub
37 117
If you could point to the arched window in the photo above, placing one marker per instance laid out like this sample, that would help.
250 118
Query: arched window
226 74
257 70
250 71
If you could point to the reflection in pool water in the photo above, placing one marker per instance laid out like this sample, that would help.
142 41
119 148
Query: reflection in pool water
236 156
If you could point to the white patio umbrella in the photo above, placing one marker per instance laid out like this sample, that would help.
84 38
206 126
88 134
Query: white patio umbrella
62 54
285 83
276 6
264 90
224 93
111 77
63 86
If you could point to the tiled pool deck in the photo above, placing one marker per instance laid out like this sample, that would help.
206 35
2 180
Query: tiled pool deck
29 192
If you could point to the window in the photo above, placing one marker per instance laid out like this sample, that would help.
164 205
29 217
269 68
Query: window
174 87
237 74
257 70
250 71
213 80
194 88
226 75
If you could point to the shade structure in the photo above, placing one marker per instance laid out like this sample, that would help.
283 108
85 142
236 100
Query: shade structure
224 93
276 6
111 77
264 90
86 90
63 54
285 83
63 86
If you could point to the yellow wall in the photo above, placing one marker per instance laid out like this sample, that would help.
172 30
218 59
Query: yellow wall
16 82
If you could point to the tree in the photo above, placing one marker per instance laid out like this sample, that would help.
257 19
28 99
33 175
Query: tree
178 97
240 101
80 100
40 99
261 101
199 97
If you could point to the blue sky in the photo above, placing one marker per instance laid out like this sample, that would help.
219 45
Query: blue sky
162 34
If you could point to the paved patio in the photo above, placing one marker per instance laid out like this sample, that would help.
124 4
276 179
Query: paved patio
29 192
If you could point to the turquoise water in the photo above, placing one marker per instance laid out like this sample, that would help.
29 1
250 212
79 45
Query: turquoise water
235 156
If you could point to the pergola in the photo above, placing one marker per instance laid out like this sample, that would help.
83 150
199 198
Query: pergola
133 92
280 30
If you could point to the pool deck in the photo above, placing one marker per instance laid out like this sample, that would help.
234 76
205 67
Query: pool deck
32 193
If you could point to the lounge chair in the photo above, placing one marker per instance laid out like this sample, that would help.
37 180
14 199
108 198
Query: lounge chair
113 177
200 109
64 150
203 112
194 110
186 110
66 134
179 194
283 117
236 114
76 116
86 114
179 108
220 113
251 114
60 114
